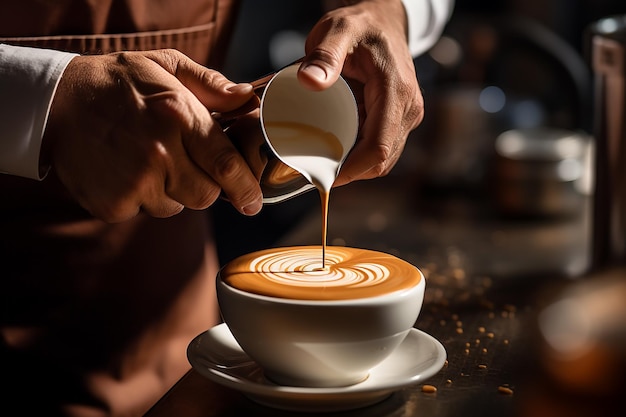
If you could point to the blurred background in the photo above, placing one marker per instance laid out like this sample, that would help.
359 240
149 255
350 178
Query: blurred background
508 109
492 200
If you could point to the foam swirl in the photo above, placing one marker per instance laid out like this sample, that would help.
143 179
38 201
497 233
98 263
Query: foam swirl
296 272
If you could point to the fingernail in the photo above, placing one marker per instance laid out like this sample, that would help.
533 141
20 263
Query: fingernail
315 72
252 209
242 88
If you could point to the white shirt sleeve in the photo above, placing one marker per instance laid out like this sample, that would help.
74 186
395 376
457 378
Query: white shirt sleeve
28 80
426 20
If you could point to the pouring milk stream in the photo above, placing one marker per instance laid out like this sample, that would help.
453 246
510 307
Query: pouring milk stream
310 131
314 153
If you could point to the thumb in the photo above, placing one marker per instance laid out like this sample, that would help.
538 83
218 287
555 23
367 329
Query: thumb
323 63
316 75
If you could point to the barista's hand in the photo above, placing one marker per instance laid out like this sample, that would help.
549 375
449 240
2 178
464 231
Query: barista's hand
132 131
367 43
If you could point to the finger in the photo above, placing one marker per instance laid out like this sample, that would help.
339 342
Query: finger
250 142
186 183
216 155
108 209
191 187
111 206
236 179
363 171
213 89
185 150
154 200
208 147
370 161
162 207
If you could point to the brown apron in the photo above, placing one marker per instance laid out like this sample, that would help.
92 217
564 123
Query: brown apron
95 318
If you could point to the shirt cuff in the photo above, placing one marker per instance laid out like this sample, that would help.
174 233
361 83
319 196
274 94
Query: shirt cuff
426 21
28 80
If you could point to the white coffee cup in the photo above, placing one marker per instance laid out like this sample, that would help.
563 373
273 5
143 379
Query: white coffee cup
320 342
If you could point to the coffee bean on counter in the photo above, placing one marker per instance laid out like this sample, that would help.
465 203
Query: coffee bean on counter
505 390
429 389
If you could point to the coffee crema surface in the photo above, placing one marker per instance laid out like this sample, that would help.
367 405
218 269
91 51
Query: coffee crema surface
296 273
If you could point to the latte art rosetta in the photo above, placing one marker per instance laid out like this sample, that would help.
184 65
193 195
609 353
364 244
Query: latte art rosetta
299 267
297 273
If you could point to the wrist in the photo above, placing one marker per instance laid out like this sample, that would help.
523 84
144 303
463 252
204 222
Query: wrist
54 117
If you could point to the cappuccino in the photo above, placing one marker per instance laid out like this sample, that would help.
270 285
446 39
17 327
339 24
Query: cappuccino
297 273
319 327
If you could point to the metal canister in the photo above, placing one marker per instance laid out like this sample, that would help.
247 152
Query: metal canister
607 41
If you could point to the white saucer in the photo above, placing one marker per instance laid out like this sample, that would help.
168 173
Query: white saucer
216 355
